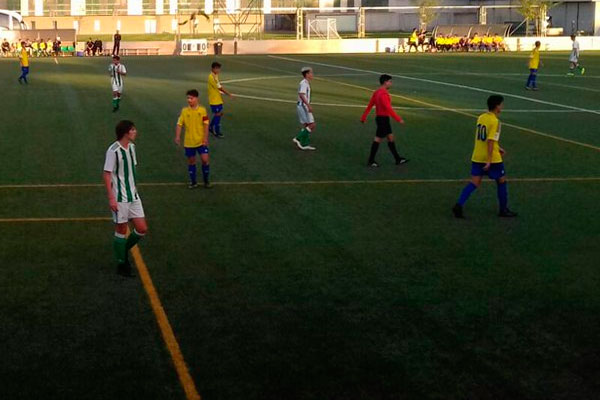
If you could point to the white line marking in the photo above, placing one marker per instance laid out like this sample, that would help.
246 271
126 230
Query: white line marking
300 183
262 78
289 101
456 85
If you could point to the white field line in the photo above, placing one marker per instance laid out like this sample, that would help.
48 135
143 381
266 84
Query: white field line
274 100
268 77
455 85
592 179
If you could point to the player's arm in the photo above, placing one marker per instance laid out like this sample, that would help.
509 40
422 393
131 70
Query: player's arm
178 134
109 165
363 118
490 152
206 135
225 91
112 202
122 70
387 103
305 101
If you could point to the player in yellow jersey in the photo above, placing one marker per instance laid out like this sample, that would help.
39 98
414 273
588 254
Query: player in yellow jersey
194 120
24 61
487 158
215 99
412 40
534 65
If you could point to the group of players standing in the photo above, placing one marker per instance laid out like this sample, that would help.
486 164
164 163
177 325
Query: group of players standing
465 43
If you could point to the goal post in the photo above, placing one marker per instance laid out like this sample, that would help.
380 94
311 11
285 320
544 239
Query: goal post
323 28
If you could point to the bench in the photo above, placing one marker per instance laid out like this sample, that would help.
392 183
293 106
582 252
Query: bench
137 51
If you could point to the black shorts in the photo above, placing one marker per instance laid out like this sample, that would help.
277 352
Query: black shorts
384 127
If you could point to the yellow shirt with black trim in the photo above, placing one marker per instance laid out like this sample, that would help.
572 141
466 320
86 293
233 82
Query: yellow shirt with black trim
488 128
24 58
214 90
193 120
534 59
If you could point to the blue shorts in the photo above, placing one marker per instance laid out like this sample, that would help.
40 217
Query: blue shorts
191 151
25 70
216 108
532 71
496 170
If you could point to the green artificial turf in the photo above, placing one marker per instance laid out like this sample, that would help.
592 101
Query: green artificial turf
305 275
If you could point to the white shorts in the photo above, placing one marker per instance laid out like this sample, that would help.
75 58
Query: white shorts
117 88
304 116
127 211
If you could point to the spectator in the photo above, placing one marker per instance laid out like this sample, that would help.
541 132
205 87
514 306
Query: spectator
98 47
116 44
5 48
89 47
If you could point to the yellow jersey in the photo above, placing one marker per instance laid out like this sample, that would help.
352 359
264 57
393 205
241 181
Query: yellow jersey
534 59
413 38
194 121
24 58
214 90
488 128
476 40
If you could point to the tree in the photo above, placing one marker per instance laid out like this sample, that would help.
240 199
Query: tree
427 14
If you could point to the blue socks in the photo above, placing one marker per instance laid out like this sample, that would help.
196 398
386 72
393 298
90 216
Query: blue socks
531 80
503 195
205 172
192 172
215 124
466 192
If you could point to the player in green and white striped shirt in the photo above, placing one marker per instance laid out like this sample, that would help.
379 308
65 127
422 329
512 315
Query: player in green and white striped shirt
123 198
117 71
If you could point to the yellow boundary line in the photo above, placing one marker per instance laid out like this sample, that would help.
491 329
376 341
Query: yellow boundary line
300 183
189 387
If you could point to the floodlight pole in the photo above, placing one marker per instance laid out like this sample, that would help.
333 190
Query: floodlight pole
299 23
361 22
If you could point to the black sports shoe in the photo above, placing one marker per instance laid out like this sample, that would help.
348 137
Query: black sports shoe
506 213
124 269
401 160
458 211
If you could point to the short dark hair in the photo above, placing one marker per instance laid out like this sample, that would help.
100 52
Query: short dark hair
122 128
115 57
494 101
192 92
215 65
538 43
384 78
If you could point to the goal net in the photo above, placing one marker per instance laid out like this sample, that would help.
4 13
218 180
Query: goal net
323 28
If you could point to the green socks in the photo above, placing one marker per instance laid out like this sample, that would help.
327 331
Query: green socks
120 247
133 238
303 137
115 102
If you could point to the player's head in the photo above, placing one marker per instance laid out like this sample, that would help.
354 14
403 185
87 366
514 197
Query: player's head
573 37
385 80
538 44
307 72
23 44
215 67
495 103
127 129
116 59
192 97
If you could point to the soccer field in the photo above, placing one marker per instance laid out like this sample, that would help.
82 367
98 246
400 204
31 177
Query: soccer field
303 275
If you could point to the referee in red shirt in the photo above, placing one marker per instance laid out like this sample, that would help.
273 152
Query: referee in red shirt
383 110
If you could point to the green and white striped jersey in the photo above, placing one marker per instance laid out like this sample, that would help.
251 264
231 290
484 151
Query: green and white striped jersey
116 78
121 163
